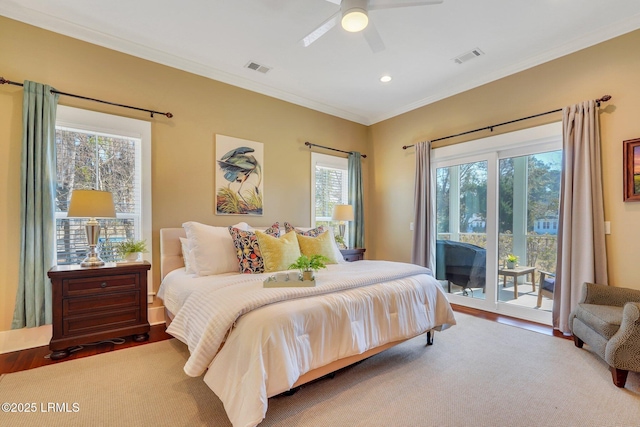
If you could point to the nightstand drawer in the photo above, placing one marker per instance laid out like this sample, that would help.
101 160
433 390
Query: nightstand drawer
73 306
99 285
90 323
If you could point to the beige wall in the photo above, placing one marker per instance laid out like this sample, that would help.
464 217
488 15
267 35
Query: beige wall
611 68
182 147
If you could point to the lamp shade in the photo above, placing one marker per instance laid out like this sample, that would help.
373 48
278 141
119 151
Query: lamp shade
91 204
342 213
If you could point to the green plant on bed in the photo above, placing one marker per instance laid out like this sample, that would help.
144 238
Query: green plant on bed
307 265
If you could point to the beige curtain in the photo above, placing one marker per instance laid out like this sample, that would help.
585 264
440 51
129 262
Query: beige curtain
424 222
582 255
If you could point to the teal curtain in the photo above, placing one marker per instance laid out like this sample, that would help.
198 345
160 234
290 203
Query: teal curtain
356 199
37 211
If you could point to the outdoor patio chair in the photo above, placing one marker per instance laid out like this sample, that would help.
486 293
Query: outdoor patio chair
546 286
462 264
607 319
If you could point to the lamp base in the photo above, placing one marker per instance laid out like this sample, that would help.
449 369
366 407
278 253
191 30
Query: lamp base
93 258
91 261
341 229
93 233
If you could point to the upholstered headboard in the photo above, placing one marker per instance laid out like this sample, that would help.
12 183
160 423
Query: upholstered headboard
170 250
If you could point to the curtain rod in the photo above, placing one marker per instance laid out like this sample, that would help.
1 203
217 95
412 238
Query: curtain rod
308 144
605 98
169 115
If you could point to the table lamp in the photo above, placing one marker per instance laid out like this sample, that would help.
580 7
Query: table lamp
91 204
342 213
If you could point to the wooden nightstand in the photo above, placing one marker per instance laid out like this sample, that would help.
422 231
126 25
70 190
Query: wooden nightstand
354 254
98 303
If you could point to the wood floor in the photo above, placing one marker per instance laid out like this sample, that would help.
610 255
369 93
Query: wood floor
36 357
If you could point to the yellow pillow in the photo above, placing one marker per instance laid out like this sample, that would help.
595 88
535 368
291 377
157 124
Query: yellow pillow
278 253
320 245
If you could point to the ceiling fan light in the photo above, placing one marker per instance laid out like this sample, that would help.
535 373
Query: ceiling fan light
355 19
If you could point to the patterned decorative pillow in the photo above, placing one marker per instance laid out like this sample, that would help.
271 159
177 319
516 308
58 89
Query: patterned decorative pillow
248 250
314 232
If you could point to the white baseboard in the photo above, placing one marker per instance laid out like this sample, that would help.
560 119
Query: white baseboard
21 339
156 315
25 338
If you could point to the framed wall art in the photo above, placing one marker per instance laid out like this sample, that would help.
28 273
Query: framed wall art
632 170
239 171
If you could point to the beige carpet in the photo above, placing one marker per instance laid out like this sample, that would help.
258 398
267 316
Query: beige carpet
478 373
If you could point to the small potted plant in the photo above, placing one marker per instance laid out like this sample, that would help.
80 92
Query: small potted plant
340 241
511 261
131 250
307 265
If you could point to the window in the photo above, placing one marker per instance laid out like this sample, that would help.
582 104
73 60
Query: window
105 152
329 184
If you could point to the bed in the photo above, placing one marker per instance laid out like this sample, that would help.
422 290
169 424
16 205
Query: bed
252 343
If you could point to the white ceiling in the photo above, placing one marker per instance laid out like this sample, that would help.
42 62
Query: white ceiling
338 74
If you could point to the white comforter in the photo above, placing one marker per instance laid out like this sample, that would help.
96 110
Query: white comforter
353 308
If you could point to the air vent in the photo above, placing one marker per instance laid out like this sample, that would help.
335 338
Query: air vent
468 56
257 67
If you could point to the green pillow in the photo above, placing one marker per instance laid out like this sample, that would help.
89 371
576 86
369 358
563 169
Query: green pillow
320 245
278 253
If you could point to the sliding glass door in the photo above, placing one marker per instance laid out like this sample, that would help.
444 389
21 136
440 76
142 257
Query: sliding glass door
529 198
461 223
500 202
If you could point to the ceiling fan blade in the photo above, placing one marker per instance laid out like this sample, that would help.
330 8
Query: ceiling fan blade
372 36
391 4
321 30
335 1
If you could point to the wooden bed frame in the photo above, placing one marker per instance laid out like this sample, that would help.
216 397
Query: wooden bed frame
171 259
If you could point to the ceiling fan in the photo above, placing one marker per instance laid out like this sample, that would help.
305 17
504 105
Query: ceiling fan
354 17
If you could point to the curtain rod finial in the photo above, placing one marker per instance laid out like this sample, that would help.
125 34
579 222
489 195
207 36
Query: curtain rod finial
169 115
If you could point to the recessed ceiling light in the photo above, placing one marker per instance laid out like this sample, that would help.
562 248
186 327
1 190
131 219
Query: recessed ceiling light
385 79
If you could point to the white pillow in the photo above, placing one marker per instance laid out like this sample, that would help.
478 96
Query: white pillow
186 255
242 226
211 248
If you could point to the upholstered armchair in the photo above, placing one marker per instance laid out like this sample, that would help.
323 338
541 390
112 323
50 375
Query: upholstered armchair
607 319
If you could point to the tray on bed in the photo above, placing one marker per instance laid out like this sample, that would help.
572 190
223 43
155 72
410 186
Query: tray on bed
269 283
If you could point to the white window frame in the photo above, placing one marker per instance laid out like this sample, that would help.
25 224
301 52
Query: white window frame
492 149
327 161
108 124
